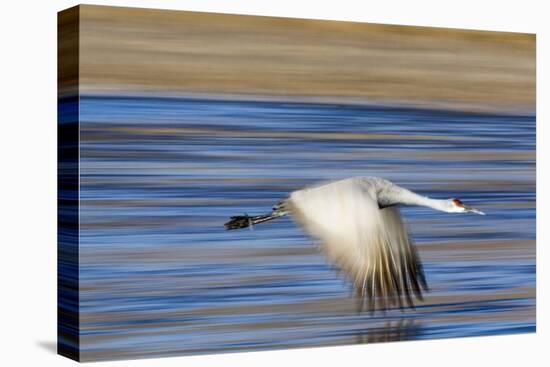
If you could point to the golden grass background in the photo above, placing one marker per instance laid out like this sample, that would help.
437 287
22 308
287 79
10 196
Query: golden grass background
174 52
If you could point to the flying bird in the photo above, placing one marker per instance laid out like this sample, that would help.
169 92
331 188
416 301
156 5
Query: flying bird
359 225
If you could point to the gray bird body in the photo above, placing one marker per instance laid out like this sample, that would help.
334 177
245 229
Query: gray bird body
360 229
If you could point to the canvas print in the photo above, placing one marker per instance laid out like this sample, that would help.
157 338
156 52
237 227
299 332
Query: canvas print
242 183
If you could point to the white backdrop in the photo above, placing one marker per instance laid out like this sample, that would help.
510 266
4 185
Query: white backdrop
28 179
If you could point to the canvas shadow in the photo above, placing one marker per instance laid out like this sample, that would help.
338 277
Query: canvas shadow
48 345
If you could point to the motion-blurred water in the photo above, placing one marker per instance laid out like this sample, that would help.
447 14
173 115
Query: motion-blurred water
159 177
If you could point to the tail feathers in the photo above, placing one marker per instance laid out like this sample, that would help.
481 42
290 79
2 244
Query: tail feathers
244 221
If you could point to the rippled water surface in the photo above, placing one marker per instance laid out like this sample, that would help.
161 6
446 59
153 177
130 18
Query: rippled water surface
159 176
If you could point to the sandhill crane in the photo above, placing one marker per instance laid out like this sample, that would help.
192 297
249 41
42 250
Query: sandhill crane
358 223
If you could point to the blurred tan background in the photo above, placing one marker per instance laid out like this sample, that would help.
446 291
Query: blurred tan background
172 52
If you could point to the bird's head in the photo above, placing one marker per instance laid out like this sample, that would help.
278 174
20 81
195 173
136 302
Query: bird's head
457 206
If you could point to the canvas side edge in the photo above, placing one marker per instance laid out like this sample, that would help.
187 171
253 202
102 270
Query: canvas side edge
68 300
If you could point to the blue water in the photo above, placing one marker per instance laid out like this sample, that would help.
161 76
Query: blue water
160 276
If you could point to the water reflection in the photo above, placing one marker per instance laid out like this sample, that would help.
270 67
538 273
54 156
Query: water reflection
402 329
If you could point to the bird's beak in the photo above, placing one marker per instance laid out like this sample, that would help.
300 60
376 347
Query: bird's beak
473 210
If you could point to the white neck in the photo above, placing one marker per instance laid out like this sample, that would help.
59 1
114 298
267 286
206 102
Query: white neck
407 197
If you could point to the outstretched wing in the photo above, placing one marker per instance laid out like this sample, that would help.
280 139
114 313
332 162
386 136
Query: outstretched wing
371 245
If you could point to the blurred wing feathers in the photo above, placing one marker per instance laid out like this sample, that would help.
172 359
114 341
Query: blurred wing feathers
369 244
